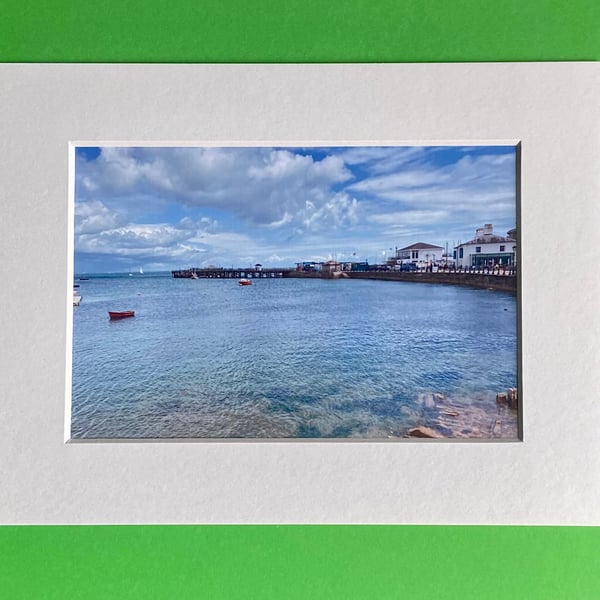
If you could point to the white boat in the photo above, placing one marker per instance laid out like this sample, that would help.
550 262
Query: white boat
245 282
141 271
195 275
76 298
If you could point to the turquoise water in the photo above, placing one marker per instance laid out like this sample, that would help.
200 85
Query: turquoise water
311 358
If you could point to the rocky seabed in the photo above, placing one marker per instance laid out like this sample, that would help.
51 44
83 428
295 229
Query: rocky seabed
443 417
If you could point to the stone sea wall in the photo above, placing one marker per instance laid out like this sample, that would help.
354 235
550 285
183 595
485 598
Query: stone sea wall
504 283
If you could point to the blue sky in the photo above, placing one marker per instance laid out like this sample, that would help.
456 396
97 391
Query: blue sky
165 208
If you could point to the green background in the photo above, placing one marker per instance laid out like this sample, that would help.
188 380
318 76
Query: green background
290 561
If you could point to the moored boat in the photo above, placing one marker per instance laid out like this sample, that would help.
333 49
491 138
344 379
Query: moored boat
245 282
76 298
121 315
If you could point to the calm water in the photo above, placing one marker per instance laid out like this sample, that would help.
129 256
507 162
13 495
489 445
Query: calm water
281 358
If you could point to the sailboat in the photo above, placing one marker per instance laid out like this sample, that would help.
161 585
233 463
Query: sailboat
141 271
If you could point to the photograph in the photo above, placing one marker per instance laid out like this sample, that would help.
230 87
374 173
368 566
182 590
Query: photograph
354 292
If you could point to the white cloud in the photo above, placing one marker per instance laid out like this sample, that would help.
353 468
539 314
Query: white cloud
485 178
132 237
447 202
382 159
387 185
94 217
275 258
263 186
204 224
338 210
409 218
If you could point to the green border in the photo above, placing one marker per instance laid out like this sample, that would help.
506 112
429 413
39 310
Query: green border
308 562
232 562
299 30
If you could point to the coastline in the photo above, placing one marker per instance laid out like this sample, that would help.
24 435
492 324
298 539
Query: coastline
487 281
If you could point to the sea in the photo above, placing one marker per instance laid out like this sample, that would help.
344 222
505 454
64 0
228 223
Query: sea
283 358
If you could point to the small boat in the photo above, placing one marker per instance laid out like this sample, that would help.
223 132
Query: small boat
76 298
245 282
84 279
195 275
141 271
121 315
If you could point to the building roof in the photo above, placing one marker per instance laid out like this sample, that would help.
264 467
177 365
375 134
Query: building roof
486 235
488 239
420 246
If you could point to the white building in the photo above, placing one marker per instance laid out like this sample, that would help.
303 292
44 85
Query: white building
420 254
487 249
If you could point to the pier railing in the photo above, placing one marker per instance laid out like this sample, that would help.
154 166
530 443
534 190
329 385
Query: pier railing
233 273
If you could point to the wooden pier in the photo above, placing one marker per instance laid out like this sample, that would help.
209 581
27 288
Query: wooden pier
224 273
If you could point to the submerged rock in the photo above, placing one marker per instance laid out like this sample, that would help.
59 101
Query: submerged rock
450 412
424 432
426 401
440 416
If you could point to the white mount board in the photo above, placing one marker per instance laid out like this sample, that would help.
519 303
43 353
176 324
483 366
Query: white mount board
551 477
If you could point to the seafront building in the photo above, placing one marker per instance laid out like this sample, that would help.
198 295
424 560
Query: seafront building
420 254
487 249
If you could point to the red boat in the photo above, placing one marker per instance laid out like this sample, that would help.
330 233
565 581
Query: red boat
121 315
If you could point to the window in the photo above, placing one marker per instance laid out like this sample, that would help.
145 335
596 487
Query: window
415 254
477 248
501 248
460 252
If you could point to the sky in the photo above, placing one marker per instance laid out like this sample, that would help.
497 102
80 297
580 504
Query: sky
164 208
